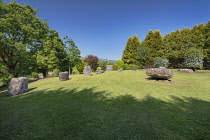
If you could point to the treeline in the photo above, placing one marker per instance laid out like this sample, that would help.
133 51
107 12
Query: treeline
27 44
186 48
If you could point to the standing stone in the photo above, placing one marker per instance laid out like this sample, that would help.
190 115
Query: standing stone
87 71
120 70
63 76
160 73
186 70
133 68
18 86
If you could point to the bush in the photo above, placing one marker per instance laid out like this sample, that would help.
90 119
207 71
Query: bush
34 75
56 72
160 62
120 64
127 67
102 64
114 67
98 68
80 67
193 59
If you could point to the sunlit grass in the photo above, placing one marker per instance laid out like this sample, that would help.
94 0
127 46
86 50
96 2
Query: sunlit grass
113 105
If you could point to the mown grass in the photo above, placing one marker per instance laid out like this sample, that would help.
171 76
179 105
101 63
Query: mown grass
114 105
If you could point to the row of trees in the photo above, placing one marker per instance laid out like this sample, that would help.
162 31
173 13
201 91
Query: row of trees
27 44
178 47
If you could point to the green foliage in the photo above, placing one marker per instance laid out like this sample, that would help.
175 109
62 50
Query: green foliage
80 67
194 59
120 64
72 52
154 43
143 56
130 51
160 62
127 67
92 61
34 75
56 72
102 64
114 67
20 31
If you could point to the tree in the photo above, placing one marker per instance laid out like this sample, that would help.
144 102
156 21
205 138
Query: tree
92 61
130 51
73 53
20 36
46 57
154 42
143 56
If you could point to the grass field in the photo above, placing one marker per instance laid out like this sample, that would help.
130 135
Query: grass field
110 106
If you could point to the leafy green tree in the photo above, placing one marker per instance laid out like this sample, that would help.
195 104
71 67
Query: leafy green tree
130 51
73 53
46 57
92 61
20 36
80 67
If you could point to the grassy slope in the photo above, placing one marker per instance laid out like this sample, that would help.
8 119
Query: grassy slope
113 105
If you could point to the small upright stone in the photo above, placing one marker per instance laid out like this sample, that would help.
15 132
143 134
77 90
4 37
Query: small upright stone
186 70
87 71
120 70
160 73
18 86
63 76
133 68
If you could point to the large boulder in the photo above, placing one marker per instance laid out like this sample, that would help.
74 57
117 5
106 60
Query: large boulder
63 76
186 70
160 73
18 86
87 71
99 71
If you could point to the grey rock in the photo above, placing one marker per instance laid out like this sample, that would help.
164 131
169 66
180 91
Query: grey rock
133 68
120 70
18 86
63 76
160 73
186 70
87 71
99 71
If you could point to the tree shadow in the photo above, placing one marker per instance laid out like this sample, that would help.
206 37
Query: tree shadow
87 114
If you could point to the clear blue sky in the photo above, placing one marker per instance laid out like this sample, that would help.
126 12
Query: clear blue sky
102 27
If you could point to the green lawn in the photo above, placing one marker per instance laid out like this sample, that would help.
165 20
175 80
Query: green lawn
110 106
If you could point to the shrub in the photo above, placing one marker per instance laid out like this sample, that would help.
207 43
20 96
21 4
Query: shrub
127 67
102 64
114 67
120 64
80 67
92 61
56 72
193 59
34 75
160 62
98 68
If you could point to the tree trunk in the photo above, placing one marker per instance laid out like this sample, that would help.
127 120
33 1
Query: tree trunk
44 72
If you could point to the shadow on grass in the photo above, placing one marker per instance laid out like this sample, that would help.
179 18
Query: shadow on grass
86 114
